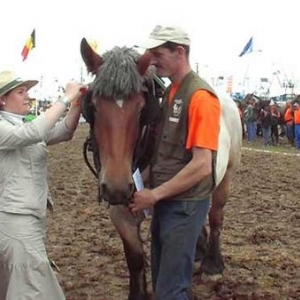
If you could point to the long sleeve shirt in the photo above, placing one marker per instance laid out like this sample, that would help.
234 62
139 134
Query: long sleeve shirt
23 162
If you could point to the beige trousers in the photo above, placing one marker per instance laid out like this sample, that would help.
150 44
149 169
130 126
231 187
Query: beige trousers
25 271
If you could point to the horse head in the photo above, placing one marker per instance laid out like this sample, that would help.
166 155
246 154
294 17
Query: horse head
115 107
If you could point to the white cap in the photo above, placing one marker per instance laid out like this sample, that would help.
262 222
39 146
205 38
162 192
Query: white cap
161 35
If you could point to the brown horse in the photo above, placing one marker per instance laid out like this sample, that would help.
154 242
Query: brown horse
122 111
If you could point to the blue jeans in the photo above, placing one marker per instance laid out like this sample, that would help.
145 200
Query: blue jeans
266 132
290 131
297 135
251 131
176 226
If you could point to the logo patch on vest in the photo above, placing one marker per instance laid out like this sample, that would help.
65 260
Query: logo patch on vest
176 110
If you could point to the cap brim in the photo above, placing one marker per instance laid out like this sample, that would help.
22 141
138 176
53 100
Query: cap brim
152 43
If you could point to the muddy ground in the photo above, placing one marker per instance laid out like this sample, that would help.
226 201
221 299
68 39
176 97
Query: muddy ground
261 235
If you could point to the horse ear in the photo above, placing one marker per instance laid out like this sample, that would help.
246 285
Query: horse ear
143 63
92 60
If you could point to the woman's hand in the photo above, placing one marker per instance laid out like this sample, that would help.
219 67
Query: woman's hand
74 91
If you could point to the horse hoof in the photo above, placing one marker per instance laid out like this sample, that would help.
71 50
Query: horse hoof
205 278
144 296
213 265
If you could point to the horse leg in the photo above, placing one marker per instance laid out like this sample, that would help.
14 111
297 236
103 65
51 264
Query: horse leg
201 246
213 264
128 229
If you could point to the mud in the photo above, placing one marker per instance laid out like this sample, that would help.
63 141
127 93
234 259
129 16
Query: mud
260 239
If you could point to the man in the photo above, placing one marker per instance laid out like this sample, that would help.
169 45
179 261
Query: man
296 107
250 121
289 122
183 166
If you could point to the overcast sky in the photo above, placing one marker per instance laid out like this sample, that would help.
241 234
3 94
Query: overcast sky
218 29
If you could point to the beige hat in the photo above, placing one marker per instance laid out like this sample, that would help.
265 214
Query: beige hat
161 35
9 81
272 102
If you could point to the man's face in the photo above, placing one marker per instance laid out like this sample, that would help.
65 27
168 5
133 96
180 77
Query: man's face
165 61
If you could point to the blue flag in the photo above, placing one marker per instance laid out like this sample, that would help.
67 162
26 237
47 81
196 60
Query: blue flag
248 48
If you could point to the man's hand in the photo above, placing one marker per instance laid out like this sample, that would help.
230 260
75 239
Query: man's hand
142 200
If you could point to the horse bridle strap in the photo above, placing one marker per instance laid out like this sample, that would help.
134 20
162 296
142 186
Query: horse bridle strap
88 147
148 121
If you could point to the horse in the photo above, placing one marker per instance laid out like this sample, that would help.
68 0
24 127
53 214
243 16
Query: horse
258 104
123 109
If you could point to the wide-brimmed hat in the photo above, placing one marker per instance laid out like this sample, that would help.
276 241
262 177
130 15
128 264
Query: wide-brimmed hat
9 81
161 35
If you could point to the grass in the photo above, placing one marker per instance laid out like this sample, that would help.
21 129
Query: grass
283 147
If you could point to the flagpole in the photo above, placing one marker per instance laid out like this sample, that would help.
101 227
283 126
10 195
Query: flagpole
197 68
36 107
81 73
247 50
38 102
246 74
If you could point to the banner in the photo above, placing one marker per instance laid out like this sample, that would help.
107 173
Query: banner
229 84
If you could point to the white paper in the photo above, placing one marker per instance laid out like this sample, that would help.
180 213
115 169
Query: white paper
139 184
138 181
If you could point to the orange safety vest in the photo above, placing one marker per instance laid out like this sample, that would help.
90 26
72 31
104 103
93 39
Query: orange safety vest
297 116
288 116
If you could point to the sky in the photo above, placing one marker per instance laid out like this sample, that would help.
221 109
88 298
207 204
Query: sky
218 29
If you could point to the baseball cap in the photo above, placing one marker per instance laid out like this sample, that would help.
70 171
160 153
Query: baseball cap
161 35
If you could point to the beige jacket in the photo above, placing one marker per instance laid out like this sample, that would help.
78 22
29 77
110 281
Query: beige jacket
23 163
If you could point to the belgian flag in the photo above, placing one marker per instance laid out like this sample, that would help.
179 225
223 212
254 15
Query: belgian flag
30 43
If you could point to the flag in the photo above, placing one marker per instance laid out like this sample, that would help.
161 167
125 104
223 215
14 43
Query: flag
248 48
30 43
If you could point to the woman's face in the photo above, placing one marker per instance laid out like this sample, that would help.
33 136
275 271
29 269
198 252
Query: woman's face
16 101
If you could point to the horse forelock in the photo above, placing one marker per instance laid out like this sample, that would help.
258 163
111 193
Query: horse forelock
118 77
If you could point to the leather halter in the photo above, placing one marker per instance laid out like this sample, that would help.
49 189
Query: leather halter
148 122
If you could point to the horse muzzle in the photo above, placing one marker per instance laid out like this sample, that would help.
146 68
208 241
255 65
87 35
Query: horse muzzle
117 195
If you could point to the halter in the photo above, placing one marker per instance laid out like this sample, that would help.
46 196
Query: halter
148 122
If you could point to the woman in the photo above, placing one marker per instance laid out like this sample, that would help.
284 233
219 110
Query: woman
25 271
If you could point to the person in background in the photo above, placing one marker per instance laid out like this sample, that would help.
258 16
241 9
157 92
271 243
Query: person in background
289 123
265 123
275 116
296 108
25 271
182 170
250 121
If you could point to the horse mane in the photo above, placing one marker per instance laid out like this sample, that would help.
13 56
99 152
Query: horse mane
118 76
